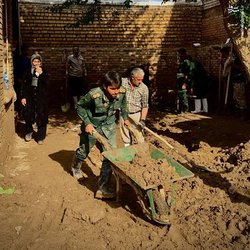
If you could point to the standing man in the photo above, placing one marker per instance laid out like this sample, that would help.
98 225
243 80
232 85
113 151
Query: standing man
76 70
137 95
200 81
34 93
97 110
183 80
239 81
233 84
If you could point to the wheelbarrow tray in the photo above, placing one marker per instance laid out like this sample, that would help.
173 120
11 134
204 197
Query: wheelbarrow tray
152 206
127 154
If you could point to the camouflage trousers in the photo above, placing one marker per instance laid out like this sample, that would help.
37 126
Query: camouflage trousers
183 101
87 142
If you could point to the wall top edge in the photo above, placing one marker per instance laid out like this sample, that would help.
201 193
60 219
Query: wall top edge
207 7
145 3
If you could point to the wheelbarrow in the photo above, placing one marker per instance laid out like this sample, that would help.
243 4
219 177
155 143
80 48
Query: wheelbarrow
155 201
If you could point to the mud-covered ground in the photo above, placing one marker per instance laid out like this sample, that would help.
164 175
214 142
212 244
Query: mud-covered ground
51 210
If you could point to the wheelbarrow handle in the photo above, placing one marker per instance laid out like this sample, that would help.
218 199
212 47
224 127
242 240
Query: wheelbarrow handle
101 139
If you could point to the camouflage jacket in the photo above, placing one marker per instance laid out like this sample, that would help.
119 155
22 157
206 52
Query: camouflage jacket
184 74
96 109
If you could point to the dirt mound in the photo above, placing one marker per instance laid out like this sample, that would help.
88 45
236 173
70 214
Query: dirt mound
148 171
51 210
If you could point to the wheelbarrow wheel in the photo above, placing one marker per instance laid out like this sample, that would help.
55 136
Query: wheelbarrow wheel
155 208
161 206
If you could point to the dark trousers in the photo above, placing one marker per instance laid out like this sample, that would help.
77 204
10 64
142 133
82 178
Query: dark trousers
41 131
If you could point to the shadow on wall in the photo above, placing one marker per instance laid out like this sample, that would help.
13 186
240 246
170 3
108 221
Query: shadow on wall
179 32
122 39
125 37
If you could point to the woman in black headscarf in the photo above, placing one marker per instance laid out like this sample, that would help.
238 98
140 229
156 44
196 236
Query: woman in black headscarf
34 99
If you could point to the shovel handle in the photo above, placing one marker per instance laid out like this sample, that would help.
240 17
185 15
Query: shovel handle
153 133
189 161
159 137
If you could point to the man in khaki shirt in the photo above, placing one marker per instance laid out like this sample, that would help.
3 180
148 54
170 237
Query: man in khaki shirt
76 70
137 95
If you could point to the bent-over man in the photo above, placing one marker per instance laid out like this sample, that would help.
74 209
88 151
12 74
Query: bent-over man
97 110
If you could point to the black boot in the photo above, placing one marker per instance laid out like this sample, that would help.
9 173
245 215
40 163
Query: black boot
104 191
76 168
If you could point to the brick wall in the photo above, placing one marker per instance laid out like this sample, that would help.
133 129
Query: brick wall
214 35
124 37
208 4
7 129
213 31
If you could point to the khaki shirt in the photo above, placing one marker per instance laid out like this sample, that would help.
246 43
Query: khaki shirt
137 98
76 66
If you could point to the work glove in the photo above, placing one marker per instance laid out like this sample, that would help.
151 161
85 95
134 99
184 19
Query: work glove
142 124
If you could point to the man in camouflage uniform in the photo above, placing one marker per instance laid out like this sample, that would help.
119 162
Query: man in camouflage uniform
183 80
97 110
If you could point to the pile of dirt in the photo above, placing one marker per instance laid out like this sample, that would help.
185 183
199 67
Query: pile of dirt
51 210
148 171
216 201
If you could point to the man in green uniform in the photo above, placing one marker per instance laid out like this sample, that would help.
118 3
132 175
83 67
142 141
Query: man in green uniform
199 83
183 80
97 110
